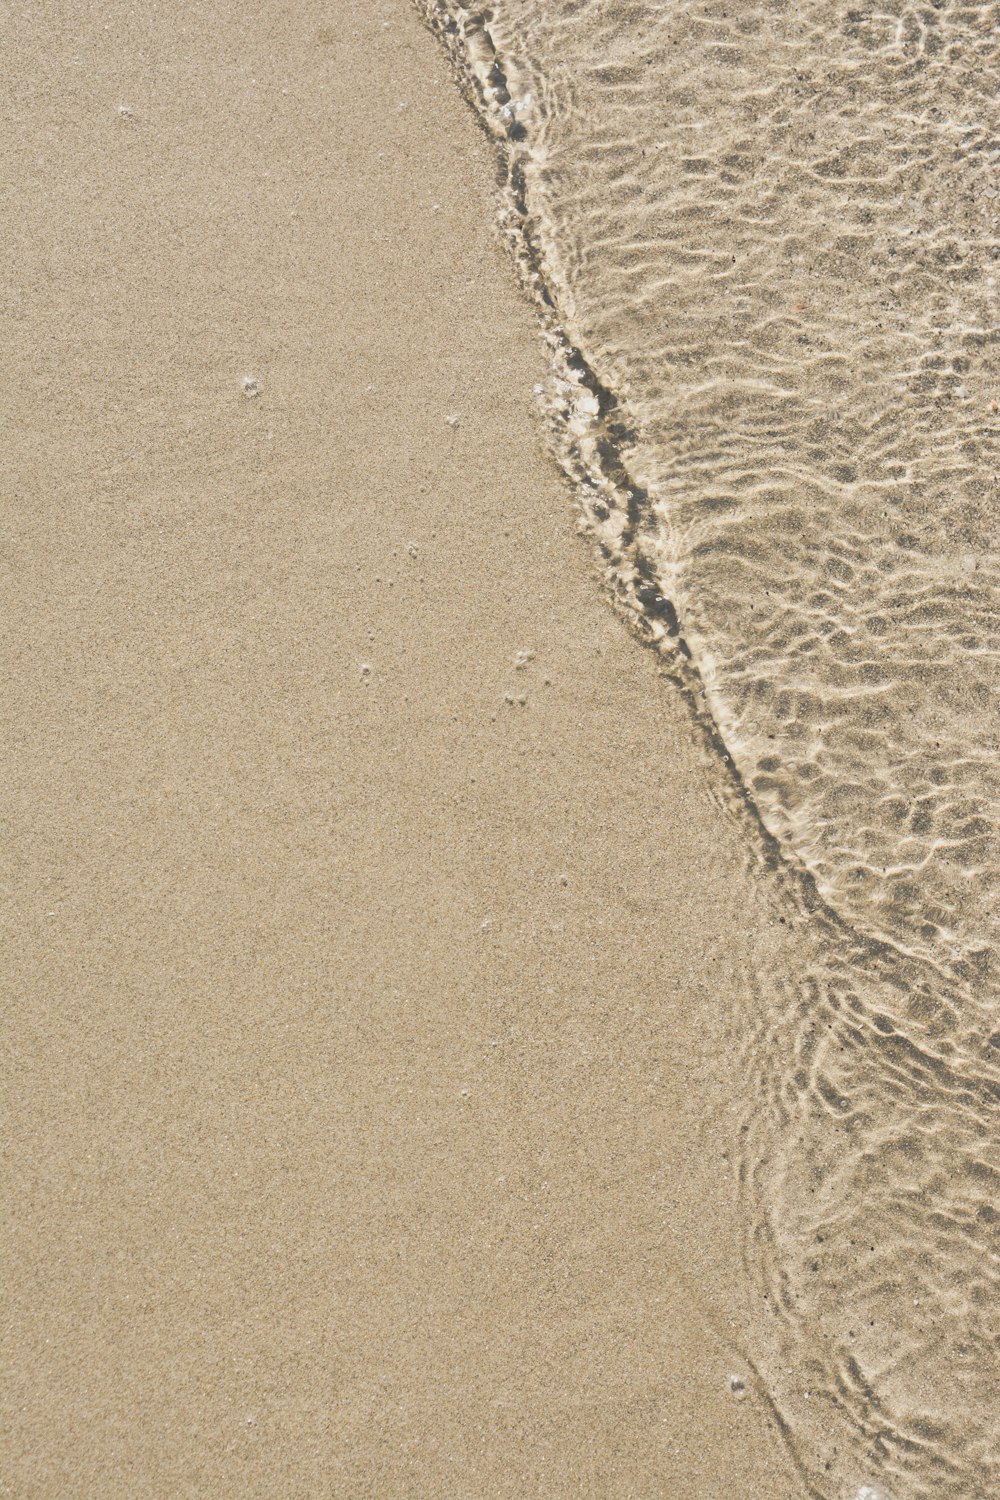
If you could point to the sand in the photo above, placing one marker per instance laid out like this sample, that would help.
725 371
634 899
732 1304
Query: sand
366 1039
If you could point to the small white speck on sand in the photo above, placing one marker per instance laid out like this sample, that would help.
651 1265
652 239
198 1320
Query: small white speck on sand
737 1386
452 420
124 112
251 387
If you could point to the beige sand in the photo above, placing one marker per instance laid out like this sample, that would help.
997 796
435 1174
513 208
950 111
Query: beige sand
367 1113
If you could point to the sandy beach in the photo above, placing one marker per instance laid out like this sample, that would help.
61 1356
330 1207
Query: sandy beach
375 924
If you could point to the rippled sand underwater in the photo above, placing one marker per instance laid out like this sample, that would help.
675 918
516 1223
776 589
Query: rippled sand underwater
763 240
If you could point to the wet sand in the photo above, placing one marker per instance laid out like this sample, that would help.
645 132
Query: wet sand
368 1037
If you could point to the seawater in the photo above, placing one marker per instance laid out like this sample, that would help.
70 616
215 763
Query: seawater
763 242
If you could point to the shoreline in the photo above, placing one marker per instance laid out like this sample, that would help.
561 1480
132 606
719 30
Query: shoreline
368 1132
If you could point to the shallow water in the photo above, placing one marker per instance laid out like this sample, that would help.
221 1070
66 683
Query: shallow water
764 246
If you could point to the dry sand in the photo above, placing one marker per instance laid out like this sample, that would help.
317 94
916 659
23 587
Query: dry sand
366 1035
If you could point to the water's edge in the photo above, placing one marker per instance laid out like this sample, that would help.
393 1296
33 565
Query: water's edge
879 1003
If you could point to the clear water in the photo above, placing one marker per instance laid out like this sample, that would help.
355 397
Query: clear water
763 240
